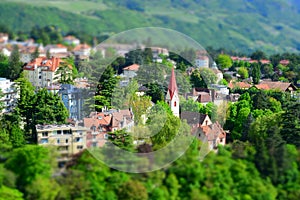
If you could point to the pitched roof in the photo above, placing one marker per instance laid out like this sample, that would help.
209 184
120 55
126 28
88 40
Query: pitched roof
118 117
97 119
276 85
204 97
213 131
172 88
134 67
50 64
193 118
242 85
81 47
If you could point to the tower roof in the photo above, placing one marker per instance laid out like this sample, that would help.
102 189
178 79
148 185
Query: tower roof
172 84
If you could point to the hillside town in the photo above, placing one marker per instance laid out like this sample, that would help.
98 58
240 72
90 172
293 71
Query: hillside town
42 68
66 98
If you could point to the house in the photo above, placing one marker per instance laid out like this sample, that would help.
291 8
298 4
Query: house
57 50
129 73
73 99
240 85
284 62
217 72
3 38
156 51
9 92
71 40
204 129
68 139
99 124
202 61
42 72
108 121
277 85
5 50
27 51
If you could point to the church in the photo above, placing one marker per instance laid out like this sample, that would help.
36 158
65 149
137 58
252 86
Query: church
172 97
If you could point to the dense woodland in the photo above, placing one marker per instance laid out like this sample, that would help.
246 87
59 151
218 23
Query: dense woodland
260 161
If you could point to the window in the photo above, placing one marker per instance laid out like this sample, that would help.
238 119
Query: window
67 140
78 139
174 103
44 134
44 141
79 147
94 144
58 141
106 136
58 131
221 140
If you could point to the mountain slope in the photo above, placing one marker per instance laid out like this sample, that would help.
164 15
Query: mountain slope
243 25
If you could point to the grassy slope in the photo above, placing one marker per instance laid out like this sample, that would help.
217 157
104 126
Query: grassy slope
251 25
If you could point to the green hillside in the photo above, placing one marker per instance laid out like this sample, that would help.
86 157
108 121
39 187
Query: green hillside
242 25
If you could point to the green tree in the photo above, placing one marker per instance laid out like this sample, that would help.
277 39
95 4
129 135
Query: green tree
255 72
291 124
14 64
243 72
224 61
36 53
155 91
105 88
197 80
208 76
133 190
258 55
29 163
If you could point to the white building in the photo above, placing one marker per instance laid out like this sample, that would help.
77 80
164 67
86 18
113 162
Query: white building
42 72
202 61
71 40
9 95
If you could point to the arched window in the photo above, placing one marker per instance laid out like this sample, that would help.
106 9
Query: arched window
174 103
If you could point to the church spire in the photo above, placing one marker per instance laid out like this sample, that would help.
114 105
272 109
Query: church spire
172 97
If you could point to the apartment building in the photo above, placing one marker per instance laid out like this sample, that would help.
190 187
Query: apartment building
9 95
68 139
42 72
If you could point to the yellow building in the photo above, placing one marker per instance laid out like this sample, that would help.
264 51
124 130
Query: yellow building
68 139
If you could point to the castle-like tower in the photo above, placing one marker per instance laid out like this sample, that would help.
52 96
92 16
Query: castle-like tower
172 97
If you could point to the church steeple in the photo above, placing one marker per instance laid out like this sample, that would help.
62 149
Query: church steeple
172 97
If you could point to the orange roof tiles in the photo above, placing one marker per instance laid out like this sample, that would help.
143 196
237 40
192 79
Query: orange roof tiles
242 85
81 47
52 64
134 67
282 86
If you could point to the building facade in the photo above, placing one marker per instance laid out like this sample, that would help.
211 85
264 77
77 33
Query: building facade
9 95
42 72
68 139
73 99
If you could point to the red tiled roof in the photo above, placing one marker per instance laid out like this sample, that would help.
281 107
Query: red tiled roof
262 86
284 62
134 67
119 116
52 64
282 86
97 119
81 47
242 85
